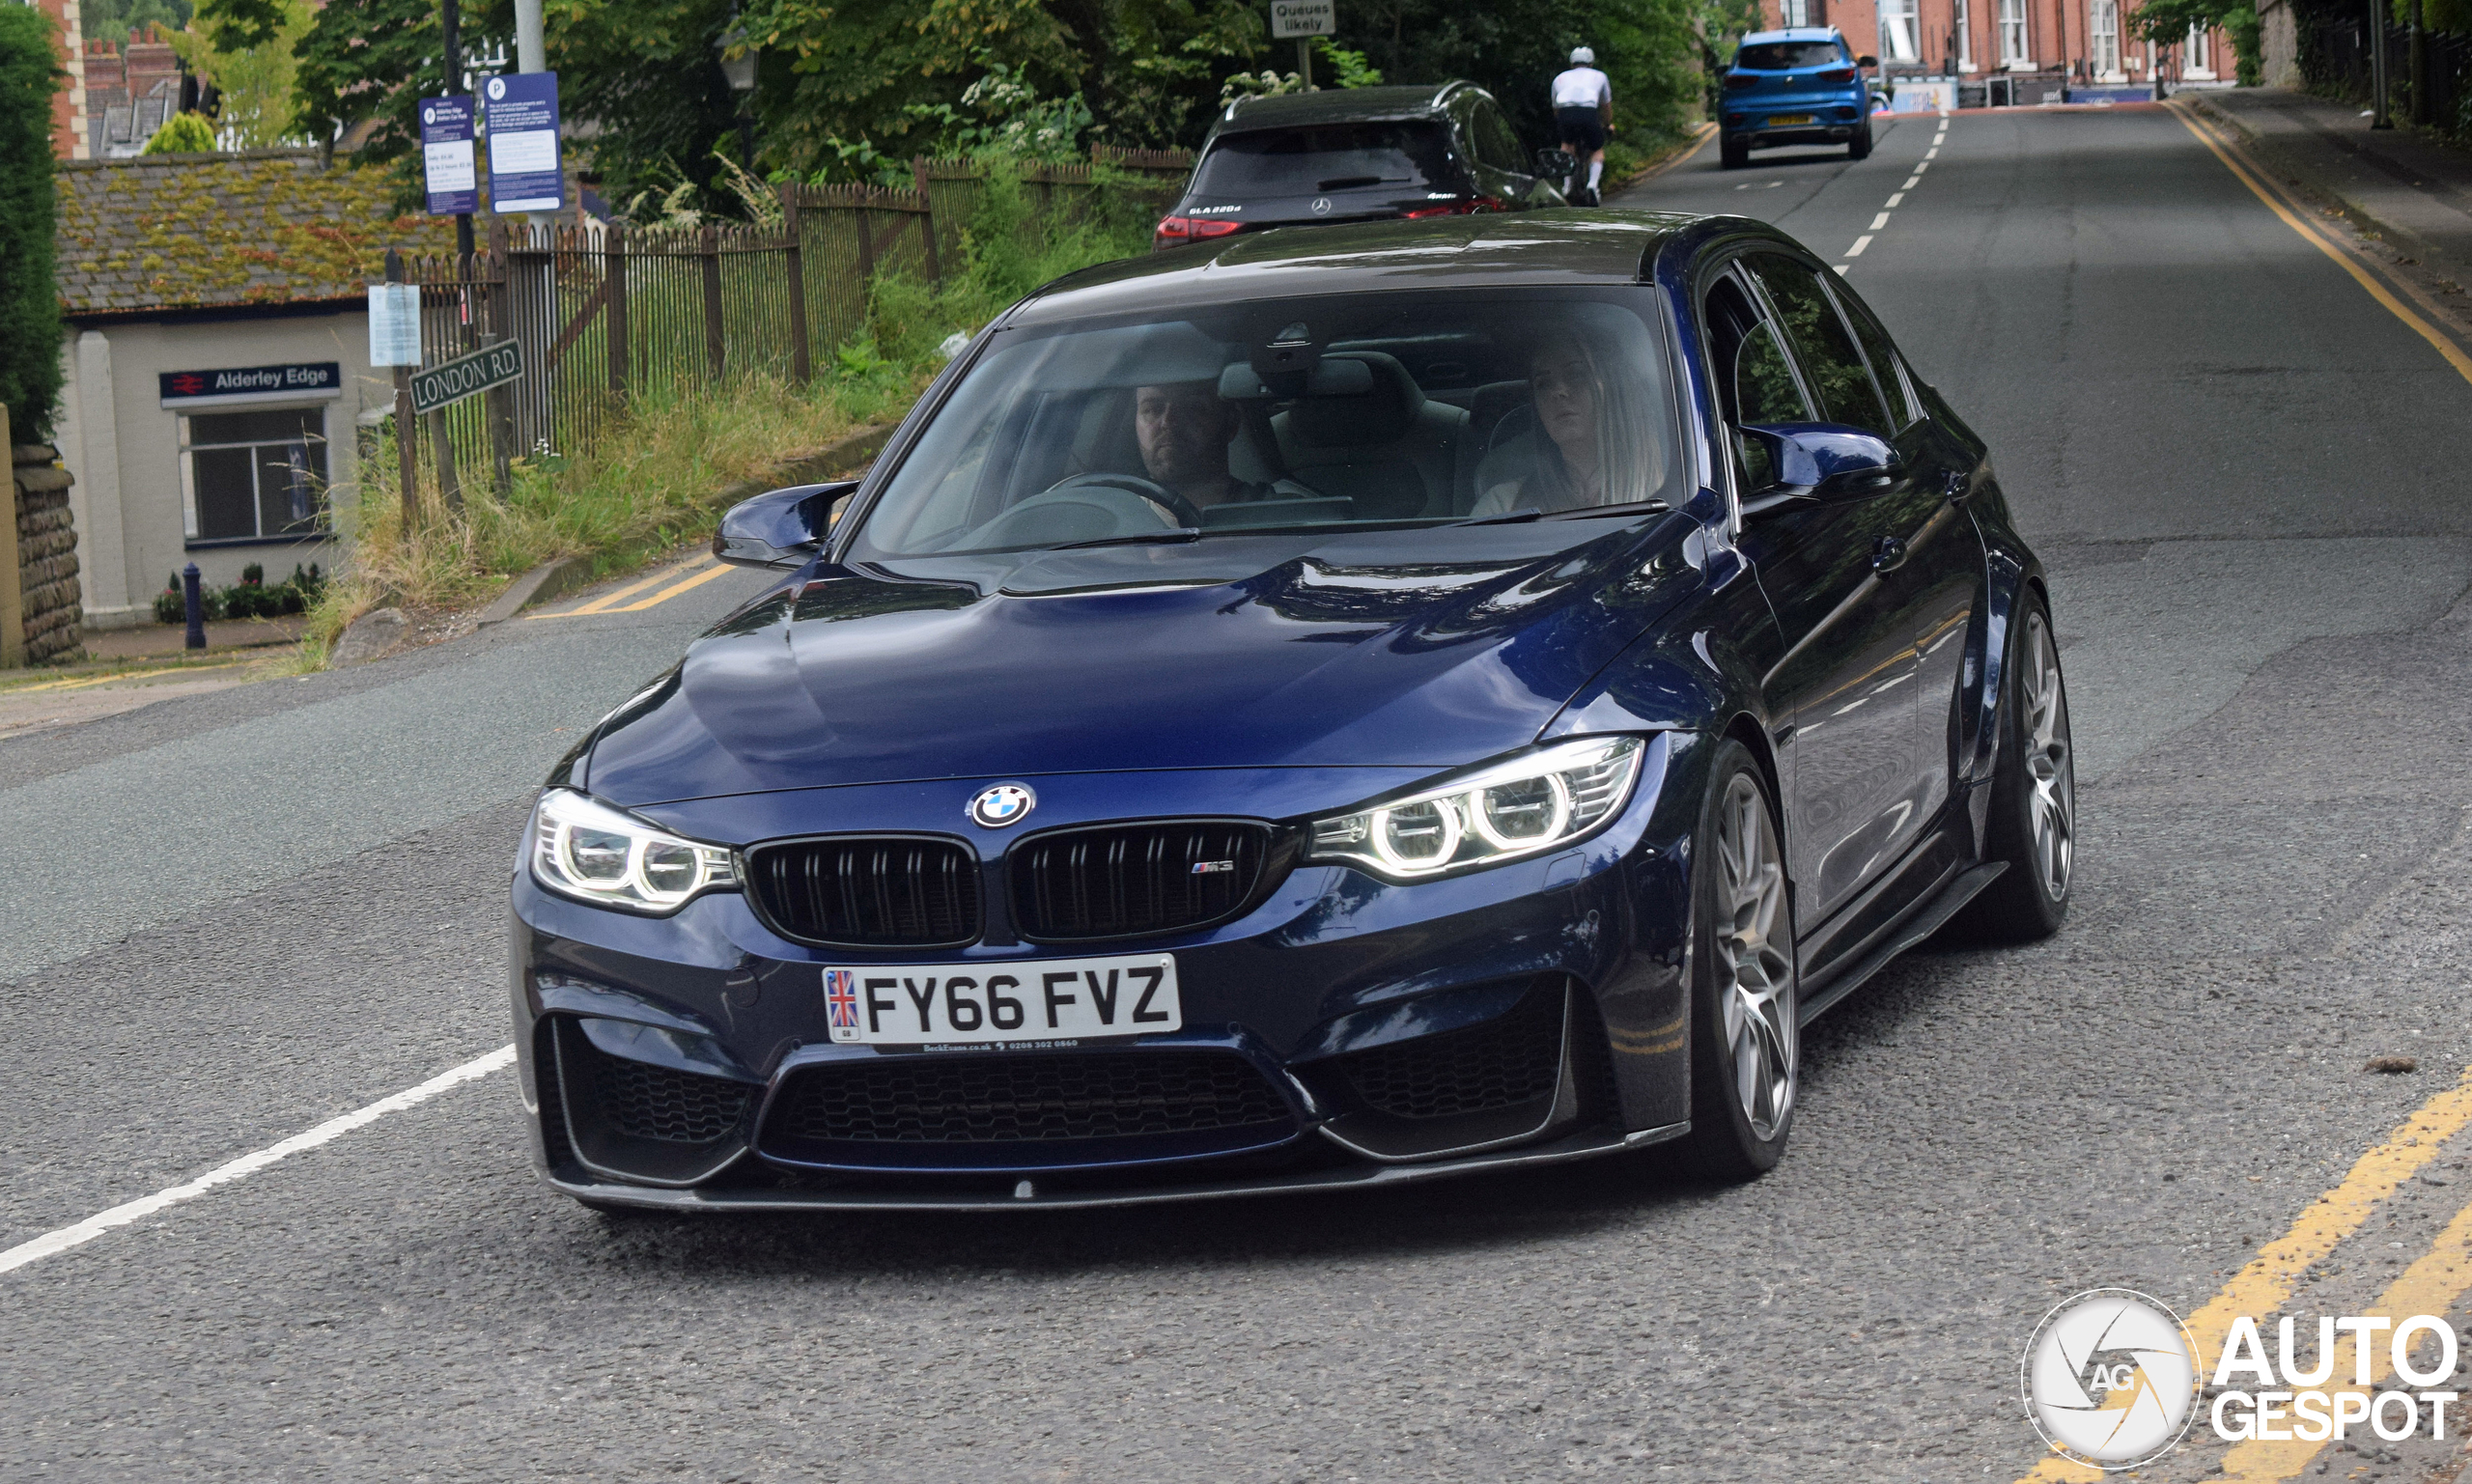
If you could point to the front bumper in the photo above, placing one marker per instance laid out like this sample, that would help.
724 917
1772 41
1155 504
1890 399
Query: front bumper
1372 1034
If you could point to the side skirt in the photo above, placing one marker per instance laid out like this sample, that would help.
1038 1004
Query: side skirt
1914 929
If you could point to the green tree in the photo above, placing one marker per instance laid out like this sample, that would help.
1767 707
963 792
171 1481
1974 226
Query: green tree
182 133
2164 24
30 73
116 20
365 62
253 80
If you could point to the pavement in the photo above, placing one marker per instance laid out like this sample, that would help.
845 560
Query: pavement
2411 187
238 921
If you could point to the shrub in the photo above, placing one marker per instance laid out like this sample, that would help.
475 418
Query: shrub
182 133
29 299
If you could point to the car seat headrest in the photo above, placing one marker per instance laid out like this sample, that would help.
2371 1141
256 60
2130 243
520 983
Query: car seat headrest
1382 415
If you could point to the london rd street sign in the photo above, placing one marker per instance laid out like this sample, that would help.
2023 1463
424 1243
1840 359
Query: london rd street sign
455 379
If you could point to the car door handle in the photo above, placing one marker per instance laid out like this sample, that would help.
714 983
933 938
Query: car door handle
1887 553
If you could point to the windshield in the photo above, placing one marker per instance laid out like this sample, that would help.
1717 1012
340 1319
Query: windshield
1326 158
1398 408
1785 56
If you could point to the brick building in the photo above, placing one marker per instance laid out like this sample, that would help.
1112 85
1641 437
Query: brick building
69 123
2086 42
129 95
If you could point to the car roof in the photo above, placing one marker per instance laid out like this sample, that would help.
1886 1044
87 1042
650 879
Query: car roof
1548 247
1339 106
1792 34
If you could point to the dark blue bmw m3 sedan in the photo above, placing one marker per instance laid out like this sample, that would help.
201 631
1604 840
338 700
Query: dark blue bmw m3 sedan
1326 708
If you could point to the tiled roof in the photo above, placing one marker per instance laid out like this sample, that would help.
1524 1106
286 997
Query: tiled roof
260 226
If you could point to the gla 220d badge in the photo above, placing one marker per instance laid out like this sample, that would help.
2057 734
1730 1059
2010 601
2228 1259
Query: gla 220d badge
1006 803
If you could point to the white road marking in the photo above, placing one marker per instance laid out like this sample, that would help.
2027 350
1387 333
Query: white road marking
52 1242
1880 222
1930 152
1860 243
1894 202
1921 165
1911 181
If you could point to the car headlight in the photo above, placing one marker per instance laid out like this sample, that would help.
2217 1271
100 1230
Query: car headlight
1551 796
585 850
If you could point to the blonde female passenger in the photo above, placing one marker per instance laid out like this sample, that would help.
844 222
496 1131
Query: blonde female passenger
1587 439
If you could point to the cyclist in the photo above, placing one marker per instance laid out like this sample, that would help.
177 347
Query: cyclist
1584 112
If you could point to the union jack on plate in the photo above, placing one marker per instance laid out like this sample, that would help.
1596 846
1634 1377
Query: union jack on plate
841 993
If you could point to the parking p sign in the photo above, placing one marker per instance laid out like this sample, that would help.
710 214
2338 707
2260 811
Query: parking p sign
1291 19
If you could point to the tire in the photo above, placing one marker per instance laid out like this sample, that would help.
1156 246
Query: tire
1860 146
1732 154
1746 1035
2032 823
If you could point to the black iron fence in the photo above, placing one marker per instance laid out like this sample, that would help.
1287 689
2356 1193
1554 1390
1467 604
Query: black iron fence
605 315
2334 58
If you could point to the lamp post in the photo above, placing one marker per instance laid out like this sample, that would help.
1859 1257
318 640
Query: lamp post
737 69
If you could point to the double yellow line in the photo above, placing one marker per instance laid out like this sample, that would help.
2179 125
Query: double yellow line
88 682
699 571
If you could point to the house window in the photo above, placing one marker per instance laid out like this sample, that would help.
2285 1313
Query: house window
2201 52
2013 33
2103 19
1900 38
1965 36
1797 13
259 475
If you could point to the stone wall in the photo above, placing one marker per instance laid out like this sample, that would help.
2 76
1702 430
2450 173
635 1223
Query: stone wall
47 589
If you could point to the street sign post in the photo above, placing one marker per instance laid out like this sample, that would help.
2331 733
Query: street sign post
1304 21
447 166
465 375
525 172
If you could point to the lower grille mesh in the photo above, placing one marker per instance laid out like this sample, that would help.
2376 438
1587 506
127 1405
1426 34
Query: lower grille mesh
642 1101
986 1099
1509 1059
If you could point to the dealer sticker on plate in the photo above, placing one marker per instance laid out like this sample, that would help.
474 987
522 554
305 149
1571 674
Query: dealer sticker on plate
978 1004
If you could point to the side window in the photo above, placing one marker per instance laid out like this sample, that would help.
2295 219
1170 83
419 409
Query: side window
1882 355
1827 352
1755 381
1496 143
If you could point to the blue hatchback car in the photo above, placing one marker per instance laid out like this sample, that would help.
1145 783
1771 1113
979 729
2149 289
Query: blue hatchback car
1316 709
1798 86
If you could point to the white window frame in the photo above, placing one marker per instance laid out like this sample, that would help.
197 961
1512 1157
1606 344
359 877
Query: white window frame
188 477
2199 55
1900 26
1965 35
2013 45
2103 40
1792 14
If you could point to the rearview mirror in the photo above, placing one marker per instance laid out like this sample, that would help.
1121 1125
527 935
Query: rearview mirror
780 527
1791 466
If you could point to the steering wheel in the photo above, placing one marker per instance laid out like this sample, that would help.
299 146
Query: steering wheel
1086 507
1187 514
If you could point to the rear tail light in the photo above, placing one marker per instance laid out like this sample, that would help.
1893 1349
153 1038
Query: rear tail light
1178 231
1838 74
1741 80
1457 207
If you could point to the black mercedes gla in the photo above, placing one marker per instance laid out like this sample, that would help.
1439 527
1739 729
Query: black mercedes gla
1321 709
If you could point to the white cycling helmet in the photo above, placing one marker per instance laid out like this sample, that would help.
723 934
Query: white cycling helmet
1582 56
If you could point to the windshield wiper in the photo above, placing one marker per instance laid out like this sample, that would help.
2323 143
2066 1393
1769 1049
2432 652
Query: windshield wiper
1508 518
1144 539
1600 511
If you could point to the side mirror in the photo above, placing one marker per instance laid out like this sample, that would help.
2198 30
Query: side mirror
1792 465
779 527
1867 61
1556 164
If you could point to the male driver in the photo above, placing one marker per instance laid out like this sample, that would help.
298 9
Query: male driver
1584 112
1184 430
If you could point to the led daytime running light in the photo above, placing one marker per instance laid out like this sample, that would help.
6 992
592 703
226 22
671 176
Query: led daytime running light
1580 786
587 850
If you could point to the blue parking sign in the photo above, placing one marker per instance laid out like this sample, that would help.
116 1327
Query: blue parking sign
524 160
446 155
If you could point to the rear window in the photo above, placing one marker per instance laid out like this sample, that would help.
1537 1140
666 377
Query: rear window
1785 56
1402 156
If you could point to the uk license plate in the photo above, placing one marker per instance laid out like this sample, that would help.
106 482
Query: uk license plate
1041 1000
1785 120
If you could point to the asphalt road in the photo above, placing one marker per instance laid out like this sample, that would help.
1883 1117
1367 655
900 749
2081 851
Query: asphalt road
235 915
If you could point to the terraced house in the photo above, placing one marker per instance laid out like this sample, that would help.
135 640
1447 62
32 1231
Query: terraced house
217 360
2081 46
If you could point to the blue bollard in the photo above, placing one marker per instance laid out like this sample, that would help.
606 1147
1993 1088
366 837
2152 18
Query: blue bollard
195 604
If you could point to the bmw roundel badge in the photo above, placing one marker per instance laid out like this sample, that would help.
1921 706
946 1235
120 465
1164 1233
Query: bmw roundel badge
1006 803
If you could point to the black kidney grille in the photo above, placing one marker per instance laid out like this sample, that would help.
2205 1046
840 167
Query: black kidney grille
641 1100
994 1099
1501 1062
889 891
1125 880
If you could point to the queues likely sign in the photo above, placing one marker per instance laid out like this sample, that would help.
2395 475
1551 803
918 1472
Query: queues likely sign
446 155
1304 18
312 378
488 366
524 174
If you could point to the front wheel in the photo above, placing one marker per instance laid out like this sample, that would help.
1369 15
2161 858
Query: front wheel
2032 823
1746 1029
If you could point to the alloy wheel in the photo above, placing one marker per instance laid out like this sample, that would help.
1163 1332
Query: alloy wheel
2051 772
1756 959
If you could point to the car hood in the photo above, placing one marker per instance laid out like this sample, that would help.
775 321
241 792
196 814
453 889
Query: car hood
1425 648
